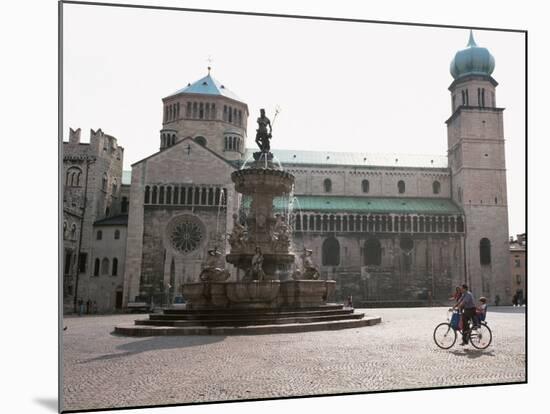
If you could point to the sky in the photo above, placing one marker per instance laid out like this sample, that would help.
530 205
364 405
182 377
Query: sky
341 86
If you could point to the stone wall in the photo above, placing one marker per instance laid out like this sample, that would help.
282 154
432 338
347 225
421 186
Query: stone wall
433 266
347 181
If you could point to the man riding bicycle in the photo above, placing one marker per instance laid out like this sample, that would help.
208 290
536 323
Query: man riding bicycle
468 307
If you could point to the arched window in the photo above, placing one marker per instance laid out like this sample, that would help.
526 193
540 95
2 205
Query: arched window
96 267
147 197
485 251
331 252
201 141
115 267
188 110
73 231
161 195
328 185
105 266
64 228
436 187
406 244
194 109
72 179
124 205
365 185
99 235
104 182
114 188
373 253
201 110
401 186
117 234
154 195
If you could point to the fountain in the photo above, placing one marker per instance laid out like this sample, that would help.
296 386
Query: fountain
270 293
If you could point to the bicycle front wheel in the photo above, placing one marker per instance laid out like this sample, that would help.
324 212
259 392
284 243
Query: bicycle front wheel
444 335
481 337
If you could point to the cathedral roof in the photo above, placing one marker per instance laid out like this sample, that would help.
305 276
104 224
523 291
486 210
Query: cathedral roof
328 158
121 219
126 177
208 86
361 204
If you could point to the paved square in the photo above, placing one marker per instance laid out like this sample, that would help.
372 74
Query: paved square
102 370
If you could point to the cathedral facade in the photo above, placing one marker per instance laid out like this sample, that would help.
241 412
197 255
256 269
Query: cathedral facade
387 229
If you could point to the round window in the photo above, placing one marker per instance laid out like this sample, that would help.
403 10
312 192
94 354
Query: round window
185 233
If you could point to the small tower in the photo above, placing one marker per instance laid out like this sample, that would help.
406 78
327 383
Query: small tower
209 113
477 163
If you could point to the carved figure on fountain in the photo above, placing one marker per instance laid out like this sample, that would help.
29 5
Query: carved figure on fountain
308 270
214 269
256 271
237 238
281 234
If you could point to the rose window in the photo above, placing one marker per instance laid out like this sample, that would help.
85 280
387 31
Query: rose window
186 234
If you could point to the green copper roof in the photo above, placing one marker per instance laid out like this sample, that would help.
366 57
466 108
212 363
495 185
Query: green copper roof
473 60
208 86
298 157
349 204
126 177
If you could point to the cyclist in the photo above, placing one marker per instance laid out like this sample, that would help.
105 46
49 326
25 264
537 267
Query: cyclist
468 307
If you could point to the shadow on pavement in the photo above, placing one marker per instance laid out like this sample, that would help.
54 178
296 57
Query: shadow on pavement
158 343
473 353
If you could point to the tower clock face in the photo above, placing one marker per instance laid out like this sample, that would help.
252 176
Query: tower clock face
185 233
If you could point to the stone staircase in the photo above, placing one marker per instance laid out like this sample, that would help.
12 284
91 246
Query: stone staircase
247 321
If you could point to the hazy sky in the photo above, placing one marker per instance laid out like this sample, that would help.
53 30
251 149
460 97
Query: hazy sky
364 87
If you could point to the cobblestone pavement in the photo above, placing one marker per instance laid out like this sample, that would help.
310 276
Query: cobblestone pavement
102 370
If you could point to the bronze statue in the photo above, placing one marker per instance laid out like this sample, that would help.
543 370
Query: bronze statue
262 135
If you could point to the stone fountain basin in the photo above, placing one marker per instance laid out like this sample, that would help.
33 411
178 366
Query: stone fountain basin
254 292
258 294
260 180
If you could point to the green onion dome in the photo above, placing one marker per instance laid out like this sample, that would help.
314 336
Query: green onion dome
473 60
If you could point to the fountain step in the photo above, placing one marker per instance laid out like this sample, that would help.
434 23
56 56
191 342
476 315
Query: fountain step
331 306
251 314
140 330
250 321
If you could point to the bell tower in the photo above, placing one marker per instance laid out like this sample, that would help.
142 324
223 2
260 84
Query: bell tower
475 140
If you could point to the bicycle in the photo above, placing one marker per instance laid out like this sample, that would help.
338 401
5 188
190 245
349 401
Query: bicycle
480 336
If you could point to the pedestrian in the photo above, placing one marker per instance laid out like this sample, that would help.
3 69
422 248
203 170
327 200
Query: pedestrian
94 306
80 307
515 299
88 306
497 300
468 307
350 301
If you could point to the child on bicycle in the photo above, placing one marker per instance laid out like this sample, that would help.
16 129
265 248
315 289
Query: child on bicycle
481 311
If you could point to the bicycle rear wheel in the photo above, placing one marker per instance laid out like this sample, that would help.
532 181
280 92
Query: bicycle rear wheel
481 337
444 335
